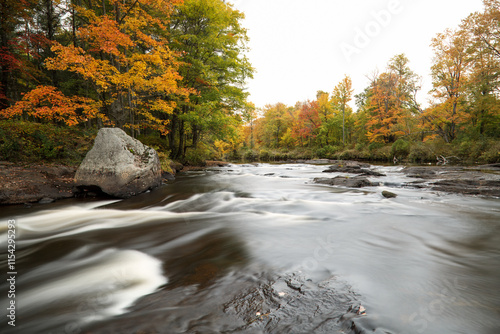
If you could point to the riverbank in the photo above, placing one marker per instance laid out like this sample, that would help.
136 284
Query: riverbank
39 183
34 183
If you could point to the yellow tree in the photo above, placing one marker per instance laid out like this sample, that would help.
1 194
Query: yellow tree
382 109
325 110
342 95
449 71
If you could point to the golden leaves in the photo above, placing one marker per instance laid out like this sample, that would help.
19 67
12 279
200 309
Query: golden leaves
104 35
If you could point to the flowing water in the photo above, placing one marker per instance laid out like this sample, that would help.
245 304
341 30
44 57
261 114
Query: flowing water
258 249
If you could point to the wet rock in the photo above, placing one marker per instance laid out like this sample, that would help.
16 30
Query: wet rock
176 167
167 176
119 165
350 182
352 167
388 194
469 186
46 200
317 161
357 309
479 180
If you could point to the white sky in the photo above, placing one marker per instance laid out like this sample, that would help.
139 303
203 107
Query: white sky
296 45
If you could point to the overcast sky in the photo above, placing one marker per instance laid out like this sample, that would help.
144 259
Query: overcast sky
301 46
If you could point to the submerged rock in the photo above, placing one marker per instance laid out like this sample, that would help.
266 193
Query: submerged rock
46 200
119 165
350 182
352 167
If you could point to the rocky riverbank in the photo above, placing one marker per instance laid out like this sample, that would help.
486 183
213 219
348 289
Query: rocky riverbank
23 184
46 183
35 183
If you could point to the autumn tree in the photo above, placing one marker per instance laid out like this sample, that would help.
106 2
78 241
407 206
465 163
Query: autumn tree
15 67
326 115
48 104
306 126
249 115
391 104
342 95
449 70
211 41
123 54
484 79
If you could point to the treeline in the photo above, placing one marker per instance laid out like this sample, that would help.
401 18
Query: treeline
463 119
169 71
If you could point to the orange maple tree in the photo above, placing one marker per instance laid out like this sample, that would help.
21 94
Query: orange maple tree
124 55
47 103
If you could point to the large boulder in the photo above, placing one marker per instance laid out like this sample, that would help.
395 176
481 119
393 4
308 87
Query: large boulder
119 165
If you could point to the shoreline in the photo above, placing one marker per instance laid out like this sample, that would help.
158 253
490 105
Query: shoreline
42 184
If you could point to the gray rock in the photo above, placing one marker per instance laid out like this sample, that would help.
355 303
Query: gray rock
388 194
46 200
350 182
352 167
119 165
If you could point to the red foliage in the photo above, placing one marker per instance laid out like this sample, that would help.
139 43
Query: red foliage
308 121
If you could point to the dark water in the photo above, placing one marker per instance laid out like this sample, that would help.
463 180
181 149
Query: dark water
258 249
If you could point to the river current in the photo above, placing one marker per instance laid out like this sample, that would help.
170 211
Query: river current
258 249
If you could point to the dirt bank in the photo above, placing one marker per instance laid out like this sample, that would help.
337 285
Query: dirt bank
35 183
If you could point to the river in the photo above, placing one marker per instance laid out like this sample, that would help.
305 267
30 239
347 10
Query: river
258 249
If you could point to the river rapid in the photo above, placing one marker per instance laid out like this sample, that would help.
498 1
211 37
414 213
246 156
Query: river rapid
258 249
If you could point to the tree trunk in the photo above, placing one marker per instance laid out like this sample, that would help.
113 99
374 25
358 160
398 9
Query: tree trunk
171 135
180 148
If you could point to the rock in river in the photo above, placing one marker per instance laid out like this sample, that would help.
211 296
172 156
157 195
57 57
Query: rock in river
352 167
388 194
119 165
350 182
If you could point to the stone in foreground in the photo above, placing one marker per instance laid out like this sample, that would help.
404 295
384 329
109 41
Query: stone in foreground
119 165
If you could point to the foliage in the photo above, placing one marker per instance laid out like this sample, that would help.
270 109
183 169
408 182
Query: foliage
208 36
46 103
173 73
400 148
29 142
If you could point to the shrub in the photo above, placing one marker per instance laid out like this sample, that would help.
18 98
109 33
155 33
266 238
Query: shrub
198 156
491 153
383 153
400 148
264 155
375 146
250 155
420 152
22 141
165 162
327 152
348 155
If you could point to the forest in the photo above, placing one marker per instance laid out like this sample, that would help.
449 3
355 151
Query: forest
172 74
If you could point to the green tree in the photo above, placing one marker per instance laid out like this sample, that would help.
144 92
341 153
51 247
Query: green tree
208 36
